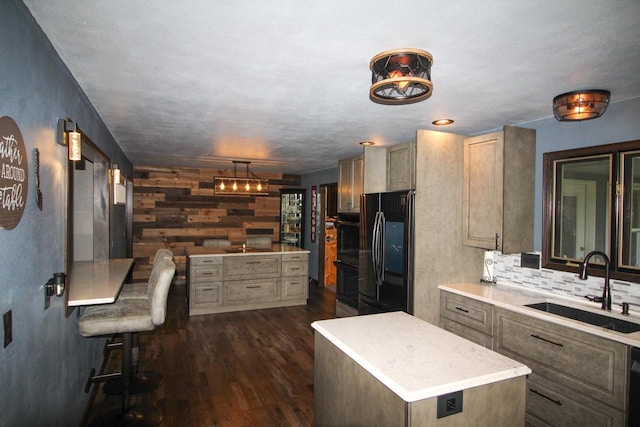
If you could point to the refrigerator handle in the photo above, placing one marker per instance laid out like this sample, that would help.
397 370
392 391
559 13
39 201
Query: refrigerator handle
381 246
374 246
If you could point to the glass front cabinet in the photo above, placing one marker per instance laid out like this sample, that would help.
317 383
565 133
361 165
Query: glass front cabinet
292 217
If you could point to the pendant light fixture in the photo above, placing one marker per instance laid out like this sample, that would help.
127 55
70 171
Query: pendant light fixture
580 105
401 76
251 185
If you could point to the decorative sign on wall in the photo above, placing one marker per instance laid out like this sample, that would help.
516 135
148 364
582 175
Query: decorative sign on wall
14 174
313 212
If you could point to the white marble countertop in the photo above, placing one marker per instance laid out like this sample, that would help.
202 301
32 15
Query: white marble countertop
237 250
514 298
415 359
96 282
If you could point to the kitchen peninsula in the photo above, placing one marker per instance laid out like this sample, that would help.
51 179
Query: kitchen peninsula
243 278
395 369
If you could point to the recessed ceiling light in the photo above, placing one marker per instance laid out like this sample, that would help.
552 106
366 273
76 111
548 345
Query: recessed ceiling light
442 122
367 143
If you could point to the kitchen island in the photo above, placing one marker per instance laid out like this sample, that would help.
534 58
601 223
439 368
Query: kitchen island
243 278
395 369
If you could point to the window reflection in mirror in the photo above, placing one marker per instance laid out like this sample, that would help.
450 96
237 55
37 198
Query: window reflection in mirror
582 198
591 200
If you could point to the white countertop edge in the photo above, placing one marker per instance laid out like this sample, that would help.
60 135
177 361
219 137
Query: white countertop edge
427 392
91 301
632 339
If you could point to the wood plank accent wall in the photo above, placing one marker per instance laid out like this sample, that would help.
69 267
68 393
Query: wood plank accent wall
175 208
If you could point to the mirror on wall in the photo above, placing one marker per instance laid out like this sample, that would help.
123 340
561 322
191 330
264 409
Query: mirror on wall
592 203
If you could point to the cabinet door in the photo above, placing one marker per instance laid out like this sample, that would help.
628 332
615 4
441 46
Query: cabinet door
295 287
482 191
344 186
357 183
474 314
401 167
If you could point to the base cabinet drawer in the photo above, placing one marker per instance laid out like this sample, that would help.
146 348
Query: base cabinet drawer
206 273
295 288
477 315
587 364
295 268
251 291
209 294
466 332
551 406
249 267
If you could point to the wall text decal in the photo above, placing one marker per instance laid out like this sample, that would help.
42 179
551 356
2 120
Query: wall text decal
14 174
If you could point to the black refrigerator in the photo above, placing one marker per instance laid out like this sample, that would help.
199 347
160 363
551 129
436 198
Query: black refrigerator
385 281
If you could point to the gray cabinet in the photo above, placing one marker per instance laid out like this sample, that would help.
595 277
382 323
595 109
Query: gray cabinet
350 180
467 318
578 378
221 283
401 167
498 190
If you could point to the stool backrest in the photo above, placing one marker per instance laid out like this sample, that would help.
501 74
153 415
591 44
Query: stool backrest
160 291
259 241
216 243
153 277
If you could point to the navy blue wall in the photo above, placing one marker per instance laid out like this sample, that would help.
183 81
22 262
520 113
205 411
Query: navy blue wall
44 369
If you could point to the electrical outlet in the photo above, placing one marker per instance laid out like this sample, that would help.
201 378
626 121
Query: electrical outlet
449 404
8 328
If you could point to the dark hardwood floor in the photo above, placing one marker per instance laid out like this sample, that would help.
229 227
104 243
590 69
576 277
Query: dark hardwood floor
249 368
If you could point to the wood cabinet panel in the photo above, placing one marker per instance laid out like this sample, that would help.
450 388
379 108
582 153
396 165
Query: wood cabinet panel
251 291
466 332
401 167
295 287
208 294
466 311
247 267
588 364
295 268
350 184
498 190
551 405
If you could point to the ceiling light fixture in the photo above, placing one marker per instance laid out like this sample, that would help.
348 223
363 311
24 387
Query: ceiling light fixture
234 186
442 122
581 105
367 143
401 76
70 136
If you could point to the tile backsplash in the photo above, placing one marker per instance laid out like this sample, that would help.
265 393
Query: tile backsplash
507 269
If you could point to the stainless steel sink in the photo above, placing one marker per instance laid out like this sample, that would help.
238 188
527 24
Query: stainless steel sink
596 319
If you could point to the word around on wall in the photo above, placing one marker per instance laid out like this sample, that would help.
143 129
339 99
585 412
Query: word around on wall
14 174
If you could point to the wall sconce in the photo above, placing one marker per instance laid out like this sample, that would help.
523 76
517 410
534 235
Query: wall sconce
249 186
580 105
54 286
119 186
70 136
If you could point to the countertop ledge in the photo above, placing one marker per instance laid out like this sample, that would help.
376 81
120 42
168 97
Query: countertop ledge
195 251
415 359
514 298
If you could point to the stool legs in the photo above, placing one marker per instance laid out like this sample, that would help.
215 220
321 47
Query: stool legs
140 382
129 415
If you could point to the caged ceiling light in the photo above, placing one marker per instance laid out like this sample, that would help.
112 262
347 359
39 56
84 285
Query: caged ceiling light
235 186
401 76
580 105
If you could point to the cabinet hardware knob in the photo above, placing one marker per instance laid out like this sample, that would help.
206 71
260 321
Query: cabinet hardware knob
462 309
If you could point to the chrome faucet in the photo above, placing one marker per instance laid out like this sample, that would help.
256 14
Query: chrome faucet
606 293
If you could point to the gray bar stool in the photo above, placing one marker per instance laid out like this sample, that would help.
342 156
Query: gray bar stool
140 382
128 317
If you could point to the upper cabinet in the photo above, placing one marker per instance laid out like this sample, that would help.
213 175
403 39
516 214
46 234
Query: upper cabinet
350 175
401 167
498 190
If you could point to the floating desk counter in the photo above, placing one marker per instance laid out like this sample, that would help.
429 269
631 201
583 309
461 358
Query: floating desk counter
97 282
393 369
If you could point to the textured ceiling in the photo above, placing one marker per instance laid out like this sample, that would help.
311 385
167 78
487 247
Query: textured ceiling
285 84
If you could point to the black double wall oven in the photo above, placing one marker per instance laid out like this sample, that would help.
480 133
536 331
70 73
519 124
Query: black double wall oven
348 229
